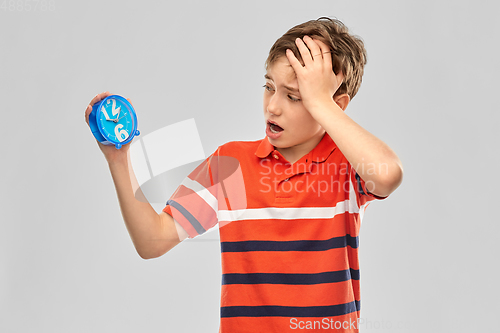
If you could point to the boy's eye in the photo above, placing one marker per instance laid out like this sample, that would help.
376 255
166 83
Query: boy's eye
267 87
293 99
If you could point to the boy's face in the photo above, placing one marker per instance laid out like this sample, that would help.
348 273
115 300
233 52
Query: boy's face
289 126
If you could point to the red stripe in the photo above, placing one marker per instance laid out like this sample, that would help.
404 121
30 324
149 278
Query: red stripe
286 230
285 262
288 295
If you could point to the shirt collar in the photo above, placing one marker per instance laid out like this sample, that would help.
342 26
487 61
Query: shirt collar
319 153
265 148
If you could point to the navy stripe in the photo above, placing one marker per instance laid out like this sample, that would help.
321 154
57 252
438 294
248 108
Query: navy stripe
299 245
194 222
289 311
290 278
354 274
358 180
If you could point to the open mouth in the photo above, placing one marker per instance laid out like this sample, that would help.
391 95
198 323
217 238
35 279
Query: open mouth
274 128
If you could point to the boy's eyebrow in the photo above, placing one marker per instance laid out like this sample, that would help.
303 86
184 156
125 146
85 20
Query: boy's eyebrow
266 76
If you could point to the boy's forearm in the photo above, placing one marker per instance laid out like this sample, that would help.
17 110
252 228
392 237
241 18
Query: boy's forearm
375 162
141 220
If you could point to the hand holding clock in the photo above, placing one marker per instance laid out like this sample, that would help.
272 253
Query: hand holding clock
113 135
97 98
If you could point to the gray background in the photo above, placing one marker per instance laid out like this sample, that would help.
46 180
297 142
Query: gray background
430 91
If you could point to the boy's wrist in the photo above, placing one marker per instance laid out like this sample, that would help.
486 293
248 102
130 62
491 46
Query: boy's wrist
320 108
117 160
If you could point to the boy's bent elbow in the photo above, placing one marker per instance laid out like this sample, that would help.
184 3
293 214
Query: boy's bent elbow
387 183
157 253
143 255
163 241
147 254
150 255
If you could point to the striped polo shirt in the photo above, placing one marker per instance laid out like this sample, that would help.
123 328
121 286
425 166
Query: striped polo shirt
288 233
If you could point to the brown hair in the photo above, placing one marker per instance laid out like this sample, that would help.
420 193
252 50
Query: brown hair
347 51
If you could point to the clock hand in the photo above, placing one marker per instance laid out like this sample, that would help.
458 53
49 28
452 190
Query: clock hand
118 111
116 120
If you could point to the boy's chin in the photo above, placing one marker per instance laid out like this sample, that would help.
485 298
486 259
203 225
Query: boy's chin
279 143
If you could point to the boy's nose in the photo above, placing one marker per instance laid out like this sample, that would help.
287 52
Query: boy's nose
274 107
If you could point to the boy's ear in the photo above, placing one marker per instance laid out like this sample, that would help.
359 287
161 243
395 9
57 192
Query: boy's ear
342 100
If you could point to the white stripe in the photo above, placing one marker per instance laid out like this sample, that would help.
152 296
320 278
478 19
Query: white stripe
342 207
362 211
353 202
287 213
202 192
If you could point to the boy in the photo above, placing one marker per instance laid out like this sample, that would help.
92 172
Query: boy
289 207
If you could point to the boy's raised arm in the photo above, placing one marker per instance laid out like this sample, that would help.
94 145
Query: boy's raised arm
317 85
153 234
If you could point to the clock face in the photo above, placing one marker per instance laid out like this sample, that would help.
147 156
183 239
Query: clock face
116 119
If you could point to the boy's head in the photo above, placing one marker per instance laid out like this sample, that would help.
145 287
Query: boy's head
348 51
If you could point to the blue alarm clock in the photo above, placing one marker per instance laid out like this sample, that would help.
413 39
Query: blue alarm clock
113 121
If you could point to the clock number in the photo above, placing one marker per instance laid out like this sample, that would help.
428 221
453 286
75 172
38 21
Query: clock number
105 113
114 110
120 133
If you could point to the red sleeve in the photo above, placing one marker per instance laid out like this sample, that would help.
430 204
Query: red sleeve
194 205
213 186
363 196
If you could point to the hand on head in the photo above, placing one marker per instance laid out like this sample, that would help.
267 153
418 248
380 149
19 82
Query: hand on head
316 78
